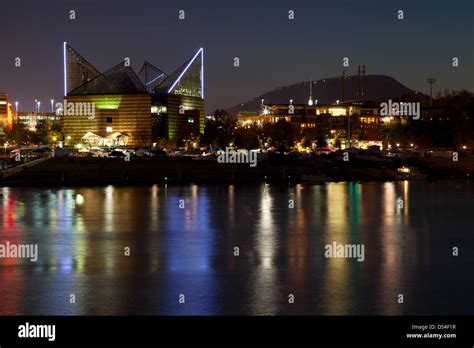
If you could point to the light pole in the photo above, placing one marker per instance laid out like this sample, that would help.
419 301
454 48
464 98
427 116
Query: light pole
36 105
5 158
16 107
39 103
52 105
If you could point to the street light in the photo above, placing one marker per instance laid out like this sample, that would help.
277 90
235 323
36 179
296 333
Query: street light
39 103
16 107
36 105
5 158
52 105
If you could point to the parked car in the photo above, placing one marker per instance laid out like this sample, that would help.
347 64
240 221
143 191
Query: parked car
143 153
116 154
98 152
42 151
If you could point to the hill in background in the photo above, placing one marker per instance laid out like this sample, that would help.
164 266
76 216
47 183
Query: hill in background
327 91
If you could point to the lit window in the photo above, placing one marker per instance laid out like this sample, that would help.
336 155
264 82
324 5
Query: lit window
158 109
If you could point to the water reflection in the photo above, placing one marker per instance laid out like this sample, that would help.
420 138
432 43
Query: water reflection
263 281
336 286
182 240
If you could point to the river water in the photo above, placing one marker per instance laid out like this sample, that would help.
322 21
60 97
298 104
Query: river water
252 250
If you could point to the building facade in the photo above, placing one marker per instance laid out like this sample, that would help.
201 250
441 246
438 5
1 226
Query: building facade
6 114
356 123
31 119
128 115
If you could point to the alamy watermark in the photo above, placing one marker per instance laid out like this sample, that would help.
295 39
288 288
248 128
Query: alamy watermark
391 108
19 251
242 156
28 330
354 251
76 108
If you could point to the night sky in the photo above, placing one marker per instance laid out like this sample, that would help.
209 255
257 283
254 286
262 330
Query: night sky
273 50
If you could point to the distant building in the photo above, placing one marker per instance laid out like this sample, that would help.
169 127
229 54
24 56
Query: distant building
5 113
31 119
138 108
3 105
352 122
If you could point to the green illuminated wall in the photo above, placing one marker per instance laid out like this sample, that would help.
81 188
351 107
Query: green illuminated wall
130 113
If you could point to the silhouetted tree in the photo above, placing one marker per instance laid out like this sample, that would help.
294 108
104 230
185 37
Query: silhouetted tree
20 134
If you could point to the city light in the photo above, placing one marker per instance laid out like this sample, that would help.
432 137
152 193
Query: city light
156 78
79 199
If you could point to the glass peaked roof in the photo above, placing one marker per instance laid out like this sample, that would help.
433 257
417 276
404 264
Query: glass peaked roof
77 69
187 80
82 78
151 76
120 79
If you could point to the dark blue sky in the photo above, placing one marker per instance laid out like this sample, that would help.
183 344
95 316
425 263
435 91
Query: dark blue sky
273 50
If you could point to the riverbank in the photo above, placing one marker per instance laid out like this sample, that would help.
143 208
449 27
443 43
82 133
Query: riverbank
104 171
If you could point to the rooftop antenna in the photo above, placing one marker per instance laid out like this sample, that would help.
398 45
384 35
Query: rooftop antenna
310 101
358 81
363 78
431 81
343 82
